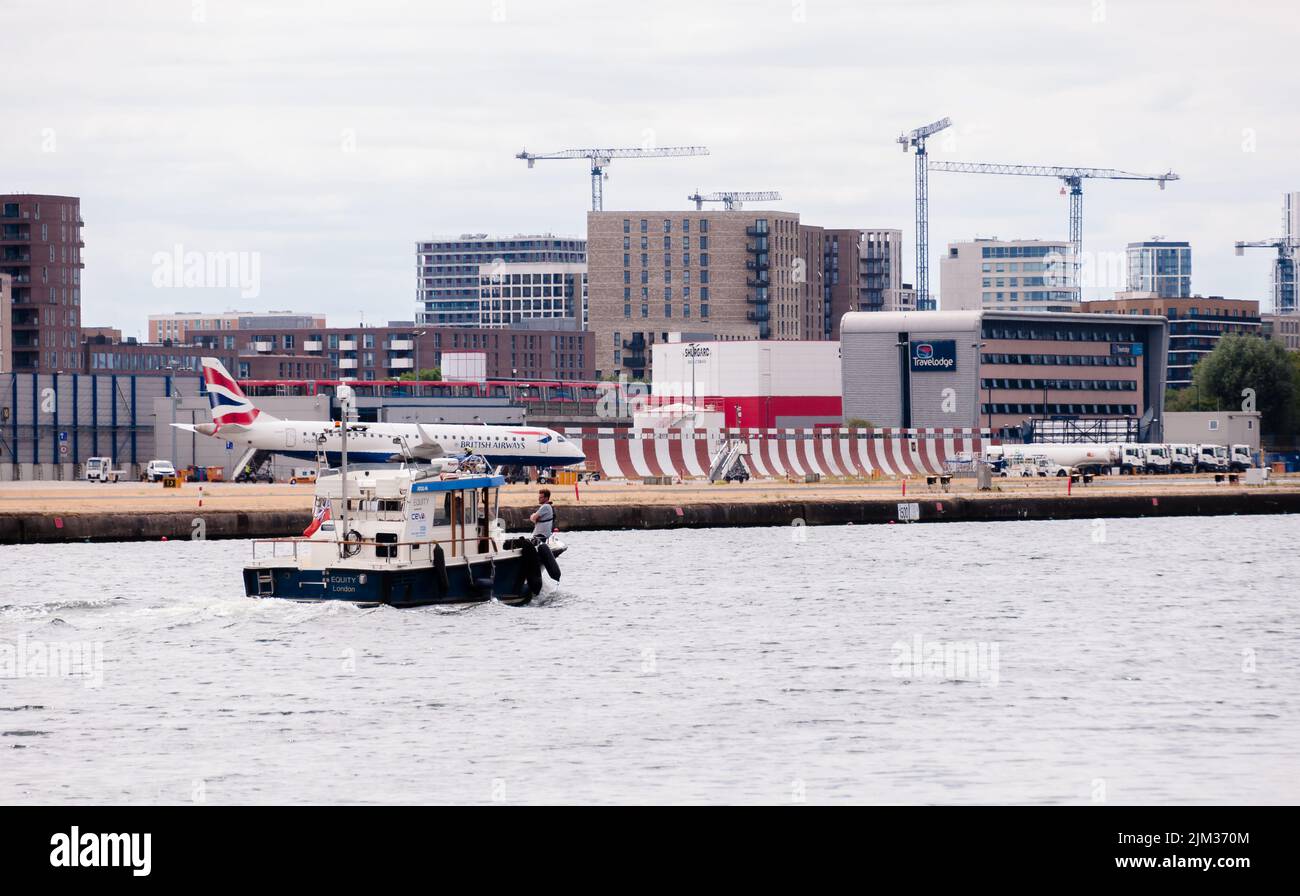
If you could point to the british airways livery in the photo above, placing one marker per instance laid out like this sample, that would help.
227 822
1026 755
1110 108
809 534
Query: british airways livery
236 419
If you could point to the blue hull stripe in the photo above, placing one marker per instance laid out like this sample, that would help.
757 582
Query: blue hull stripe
334 458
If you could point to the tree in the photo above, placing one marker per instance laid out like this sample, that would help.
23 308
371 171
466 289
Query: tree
425 375
1249 373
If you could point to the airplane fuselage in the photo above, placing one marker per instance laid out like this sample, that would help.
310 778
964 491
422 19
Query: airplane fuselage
382 442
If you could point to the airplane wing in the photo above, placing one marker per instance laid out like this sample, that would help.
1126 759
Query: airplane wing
427 446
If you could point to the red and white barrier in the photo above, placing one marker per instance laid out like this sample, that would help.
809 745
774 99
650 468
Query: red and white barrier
623 453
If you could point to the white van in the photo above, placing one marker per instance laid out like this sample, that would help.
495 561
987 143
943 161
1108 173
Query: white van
159 470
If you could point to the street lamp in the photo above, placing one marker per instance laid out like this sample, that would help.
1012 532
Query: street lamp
415 341
174 398
905 374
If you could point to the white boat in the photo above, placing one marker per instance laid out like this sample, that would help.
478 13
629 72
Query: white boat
405 536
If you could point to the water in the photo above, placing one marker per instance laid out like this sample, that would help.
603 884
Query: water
742 665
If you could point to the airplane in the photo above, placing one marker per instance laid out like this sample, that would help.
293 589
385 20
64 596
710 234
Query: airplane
236 419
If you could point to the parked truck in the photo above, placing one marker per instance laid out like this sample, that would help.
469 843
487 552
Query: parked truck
1157 458
1211 459
1182 458
1131 458
1240 458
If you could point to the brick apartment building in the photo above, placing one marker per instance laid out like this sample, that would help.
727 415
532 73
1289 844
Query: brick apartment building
726 275
6 322
386 353
654 276
40 249
102 353
176 326
1283 328
1196 324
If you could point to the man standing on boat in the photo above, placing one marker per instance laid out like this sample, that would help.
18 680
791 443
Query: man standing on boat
544 519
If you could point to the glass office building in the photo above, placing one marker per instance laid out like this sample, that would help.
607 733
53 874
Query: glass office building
1161 268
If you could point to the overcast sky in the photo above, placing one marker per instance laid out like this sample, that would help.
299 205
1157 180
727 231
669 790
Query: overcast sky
329 137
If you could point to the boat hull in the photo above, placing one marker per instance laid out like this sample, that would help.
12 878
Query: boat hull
415 586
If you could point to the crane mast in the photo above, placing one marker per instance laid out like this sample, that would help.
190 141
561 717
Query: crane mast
601 158
916 139
1288 248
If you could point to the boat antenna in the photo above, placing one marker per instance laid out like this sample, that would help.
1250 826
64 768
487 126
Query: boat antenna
346 400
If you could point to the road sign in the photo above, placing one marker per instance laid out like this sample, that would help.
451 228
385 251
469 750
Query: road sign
63 450
63 435
230 446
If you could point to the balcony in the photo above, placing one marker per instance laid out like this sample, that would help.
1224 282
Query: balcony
347 363
313 345
634 361
401 364
756 249
636 345
755 300
757 284
755 231
757 265
758 317
401 345
263 346
348 345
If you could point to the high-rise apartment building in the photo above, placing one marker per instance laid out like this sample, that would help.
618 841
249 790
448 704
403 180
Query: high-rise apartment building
6 322
1161 268
450 272
862 272
40 248
736 274
177 326
511 293
1008 275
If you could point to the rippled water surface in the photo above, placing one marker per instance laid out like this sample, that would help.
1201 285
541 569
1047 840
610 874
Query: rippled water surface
1130 661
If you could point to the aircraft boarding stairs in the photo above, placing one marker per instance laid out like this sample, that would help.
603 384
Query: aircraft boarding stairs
729 462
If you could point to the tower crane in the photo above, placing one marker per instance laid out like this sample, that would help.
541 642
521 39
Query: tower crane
1071 177
732 200
600 159
1288 247
916 138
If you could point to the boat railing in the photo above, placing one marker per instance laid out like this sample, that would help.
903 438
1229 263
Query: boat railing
494 545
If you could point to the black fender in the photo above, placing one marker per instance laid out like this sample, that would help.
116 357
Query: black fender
530 569
548 560
440 571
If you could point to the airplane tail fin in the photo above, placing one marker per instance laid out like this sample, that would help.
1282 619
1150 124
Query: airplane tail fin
230 406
